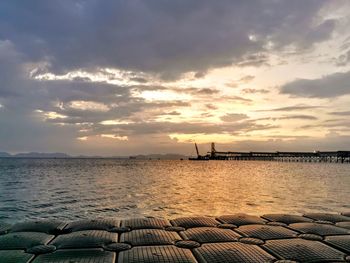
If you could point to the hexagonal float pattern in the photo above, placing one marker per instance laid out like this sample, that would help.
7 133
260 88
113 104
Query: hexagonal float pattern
147 237
266 232
189 222
241 219
341 242
302 250
85 239
45 226
317 237
4 228
286 219
231 252
209 235
147 222
334 218
93 224
319 229
15 256
157 254
23 240
77 256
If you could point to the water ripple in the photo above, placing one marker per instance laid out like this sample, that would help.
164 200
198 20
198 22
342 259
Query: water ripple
76 189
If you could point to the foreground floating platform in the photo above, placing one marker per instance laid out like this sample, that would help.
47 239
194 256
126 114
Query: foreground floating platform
314 237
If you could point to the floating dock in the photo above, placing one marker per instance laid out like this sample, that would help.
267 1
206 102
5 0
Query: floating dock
313 237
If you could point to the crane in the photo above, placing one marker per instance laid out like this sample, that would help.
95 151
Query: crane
199 157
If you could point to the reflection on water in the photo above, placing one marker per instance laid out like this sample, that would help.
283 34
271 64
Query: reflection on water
88 188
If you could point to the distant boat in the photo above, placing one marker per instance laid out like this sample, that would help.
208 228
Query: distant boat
199 157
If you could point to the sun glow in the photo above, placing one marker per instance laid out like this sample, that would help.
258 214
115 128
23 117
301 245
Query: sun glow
51 115
115 137
155 95
88 105
114 122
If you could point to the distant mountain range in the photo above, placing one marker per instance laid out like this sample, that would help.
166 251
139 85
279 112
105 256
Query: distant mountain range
34 155
64 155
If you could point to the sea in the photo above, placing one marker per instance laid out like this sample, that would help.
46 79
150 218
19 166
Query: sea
73 189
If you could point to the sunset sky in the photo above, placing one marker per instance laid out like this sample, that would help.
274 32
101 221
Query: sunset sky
127 77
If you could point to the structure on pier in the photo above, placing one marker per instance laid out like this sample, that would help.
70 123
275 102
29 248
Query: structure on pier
316 156
199 157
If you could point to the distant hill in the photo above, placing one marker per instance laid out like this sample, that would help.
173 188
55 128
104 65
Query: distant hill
34 155
41 155
5 154
168 156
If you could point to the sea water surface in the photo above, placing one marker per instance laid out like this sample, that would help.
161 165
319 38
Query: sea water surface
70 189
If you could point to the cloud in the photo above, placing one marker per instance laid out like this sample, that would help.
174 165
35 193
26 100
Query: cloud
235 99
139 80
139 128
254 60
211 106
174 113
247 78
340 113
191 90
343 59
233 117
164 37
333 85
68 68
321 31
330 142
255 91
289 117
297 117
200 74
292 108
342 124
243 80
205 91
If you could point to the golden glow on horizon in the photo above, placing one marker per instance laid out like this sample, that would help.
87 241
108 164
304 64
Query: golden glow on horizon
115 137
249 90
97 138
114 122
88 105
159 95
51 115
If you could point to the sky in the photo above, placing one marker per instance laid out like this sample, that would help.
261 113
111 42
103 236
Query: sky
137 77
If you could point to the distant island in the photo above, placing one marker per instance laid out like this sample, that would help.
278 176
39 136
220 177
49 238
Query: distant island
168 156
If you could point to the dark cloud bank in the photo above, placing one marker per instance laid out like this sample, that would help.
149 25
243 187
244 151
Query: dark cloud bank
162 38
327 87
166 37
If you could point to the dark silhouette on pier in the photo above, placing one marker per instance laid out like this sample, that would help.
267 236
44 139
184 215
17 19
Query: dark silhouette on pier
316 156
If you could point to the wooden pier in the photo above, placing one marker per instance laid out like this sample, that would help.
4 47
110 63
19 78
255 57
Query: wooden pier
316 156
331 157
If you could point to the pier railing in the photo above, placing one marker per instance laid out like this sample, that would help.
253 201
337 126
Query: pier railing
317 156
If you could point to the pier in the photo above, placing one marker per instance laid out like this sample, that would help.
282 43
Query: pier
316 156
312 237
